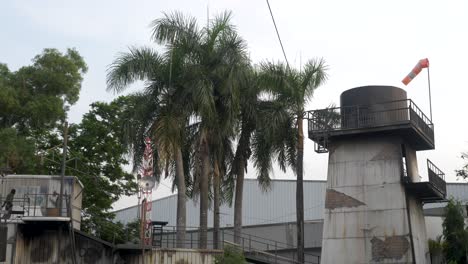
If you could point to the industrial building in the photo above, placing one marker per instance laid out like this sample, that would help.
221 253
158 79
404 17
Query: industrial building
272 214
38 230
374 204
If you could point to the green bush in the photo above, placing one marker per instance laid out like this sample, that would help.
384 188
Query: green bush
436 246
232 255
455 235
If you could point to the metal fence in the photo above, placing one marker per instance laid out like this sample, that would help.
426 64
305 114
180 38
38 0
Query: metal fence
369 116
39 205
253 246
436 177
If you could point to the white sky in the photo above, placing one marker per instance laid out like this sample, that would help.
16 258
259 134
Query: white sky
364 42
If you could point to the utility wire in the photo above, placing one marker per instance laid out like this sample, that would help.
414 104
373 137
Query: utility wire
277 33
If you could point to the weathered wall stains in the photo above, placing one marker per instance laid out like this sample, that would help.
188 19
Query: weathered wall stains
40 253
388 152
89 251
3 242
175 256
394 247
335 199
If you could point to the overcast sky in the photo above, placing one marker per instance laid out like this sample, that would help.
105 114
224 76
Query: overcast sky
363 41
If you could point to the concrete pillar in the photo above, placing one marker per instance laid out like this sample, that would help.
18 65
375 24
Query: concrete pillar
366 214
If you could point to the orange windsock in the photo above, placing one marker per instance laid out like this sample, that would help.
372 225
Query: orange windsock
424 63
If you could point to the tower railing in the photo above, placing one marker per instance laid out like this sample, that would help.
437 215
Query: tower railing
369 116
436 177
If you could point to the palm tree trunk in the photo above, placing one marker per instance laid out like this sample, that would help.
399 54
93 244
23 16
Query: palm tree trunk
300 190
204 177
181 199
242 155
238 202
216 187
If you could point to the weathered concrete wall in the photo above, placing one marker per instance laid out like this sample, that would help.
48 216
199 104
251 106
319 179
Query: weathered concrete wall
418 224
412 164
172 256
365 209
7 232
38 244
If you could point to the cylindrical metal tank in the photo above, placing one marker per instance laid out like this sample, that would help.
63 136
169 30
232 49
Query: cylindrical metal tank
371 94
374 105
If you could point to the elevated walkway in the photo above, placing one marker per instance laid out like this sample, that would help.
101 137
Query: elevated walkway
256 249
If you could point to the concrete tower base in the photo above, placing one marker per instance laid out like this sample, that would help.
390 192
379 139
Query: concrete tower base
366 208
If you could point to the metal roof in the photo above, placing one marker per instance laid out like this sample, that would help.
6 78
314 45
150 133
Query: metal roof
29 176
278 205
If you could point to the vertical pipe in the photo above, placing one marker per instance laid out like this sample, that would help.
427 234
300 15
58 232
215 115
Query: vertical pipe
410 228
62 177
35 199
429 85
62 172
142 232
403 154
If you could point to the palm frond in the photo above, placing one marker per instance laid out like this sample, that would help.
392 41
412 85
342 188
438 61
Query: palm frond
219 26
174 27
136 64
313 76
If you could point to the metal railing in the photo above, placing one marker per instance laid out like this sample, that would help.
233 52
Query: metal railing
436 177
250 244
46 205
369 116
39 205
17 211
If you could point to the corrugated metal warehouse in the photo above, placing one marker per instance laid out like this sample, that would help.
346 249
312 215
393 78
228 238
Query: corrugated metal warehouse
271 214
277 205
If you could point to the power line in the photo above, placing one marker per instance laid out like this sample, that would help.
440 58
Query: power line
277 33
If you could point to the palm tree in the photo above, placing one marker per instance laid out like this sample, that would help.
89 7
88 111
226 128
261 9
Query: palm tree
295 88
265 129
249 96
216 57
163 113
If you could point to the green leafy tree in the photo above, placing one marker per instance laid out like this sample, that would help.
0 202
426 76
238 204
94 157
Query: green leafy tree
463 172
295 88
454 233
96 145
32 103
16 151
96 155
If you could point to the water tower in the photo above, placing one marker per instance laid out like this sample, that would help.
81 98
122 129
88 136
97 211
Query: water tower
374 196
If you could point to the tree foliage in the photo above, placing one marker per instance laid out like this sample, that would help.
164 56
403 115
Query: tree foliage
454 232
32 102
231 255
463 172
193 101
97 145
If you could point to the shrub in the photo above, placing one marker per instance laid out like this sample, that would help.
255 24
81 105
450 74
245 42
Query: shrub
232 255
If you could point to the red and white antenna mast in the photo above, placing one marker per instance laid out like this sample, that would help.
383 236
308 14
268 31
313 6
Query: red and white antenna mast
147 183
